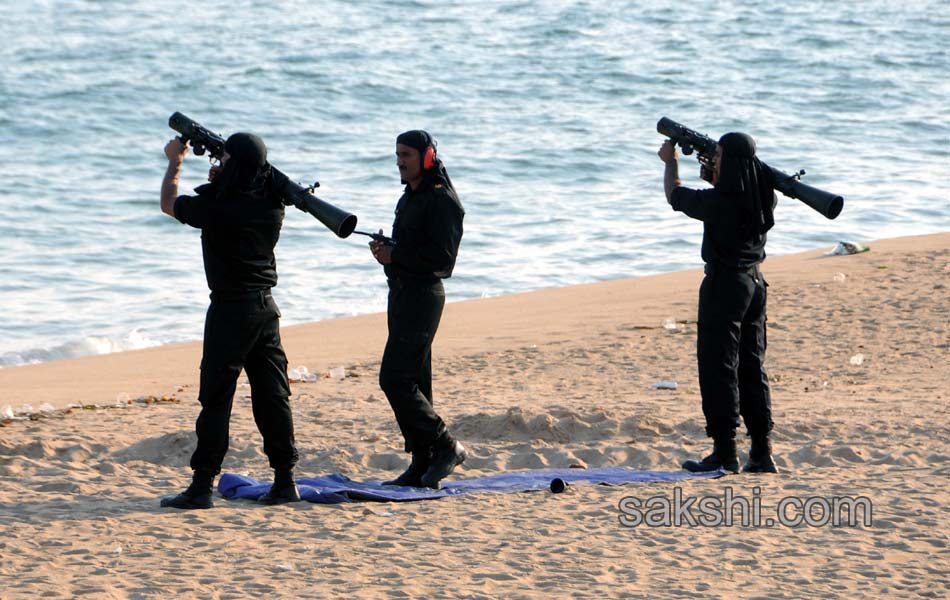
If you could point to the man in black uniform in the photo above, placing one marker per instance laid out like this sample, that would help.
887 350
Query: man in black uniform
426 234
731 341
240 216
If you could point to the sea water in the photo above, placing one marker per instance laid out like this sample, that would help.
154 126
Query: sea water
545 111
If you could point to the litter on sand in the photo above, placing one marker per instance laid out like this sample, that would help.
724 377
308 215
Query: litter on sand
848 248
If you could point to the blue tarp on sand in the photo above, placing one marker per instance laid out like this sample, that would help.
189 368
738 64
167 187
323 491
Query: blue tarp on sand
336 488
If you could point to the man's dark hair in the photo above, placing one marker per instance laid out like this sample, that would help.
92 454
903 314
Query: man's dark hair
420 140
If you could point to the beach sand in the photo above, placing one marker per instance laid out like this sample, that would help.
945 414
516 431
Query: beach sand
552 378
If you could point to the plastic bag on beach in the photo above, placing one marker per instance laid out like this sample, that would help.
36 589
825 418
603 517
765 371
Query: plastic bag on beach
301 374
844 248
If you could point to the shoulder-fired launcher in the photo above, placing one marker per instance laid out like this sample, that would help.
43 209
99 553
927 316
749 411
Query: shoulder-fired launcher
204 140
826 203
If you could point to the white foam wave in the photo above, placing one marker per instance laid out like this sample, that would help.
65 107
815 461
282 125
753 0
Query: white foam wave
87 346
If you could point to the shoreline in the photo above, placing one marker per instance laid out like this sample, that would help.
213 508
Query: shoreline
467 326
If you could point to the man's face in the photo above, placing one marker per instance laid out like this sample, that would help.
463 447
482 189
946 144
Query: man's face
224 157
717 166
408 159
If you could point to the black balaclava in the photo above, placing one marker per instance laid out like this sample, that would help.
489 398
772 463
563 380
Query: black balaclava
420 140
247 168
743 175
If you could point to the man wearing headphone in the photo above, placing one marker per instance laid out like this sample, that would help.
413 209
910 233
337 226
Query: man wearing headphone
426 234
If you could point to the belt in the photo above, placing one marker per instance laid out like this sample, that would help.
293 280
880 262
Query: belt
241 295
711 268
401 283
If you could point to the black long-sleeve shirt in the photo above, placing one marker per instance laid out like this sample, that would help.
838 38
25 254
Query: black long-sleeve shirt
427 232
728 236
238 235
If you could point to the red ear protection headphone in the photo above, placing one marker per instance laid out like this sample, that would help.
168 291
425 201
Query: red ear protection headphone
428 159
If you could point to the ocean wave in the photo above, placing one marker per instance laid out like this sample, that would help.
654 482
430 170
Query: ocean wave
86 346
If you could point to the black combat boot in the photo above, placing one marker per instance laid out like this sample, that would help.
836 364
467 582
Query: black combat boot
447 454
198 494
723 456
283 490
417 468
760 456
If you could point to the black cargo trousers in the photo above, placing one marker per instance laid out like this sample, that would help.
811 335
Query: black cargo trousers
405 375
730 343
242 331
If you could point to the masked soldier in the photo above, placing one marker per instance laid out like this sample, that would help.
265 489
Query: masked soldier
736 214
240 215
